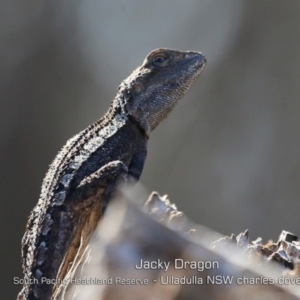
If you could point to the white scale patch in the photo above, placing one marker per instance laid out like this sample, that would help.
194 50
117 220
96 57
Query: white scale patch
91 146
60 198
65 179
47 224
41 253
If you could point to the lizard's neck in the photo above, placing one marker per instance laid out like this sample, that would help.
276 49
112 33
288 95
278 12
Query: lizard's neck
138 125
118 107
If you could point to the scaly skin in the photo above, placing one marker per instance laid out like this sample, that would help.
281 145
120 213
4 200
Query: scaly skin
83 176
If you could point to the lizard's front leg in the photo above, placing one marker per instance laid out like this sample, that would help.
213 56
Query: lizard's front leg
89 201
73 223
96 188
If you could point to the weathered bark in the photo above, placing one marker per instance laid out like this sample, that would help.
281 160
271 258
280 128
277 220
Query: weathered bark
160 233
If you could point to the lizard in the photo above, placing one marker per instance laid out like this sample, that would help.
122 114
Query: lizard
84 175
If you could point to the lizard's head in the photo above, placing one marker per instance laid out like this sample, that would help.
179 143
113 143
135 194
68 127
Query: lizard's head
153 89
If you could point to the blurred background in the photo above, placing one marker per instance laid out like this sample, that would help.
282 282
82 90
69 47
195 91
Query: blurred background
228 156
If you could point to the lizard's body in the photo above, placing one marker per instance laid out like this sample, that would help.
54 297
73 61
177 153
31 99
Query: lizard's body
83 176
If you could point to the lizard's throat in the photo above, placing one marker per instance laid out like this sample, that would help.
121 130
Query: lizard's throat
133 120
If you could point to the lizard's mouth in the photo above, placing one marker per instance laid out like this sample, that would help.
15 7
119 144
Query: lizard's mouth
191 72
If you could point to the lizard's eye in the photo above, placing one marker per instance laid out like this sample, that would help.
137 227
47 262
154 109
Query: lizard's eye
158 60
